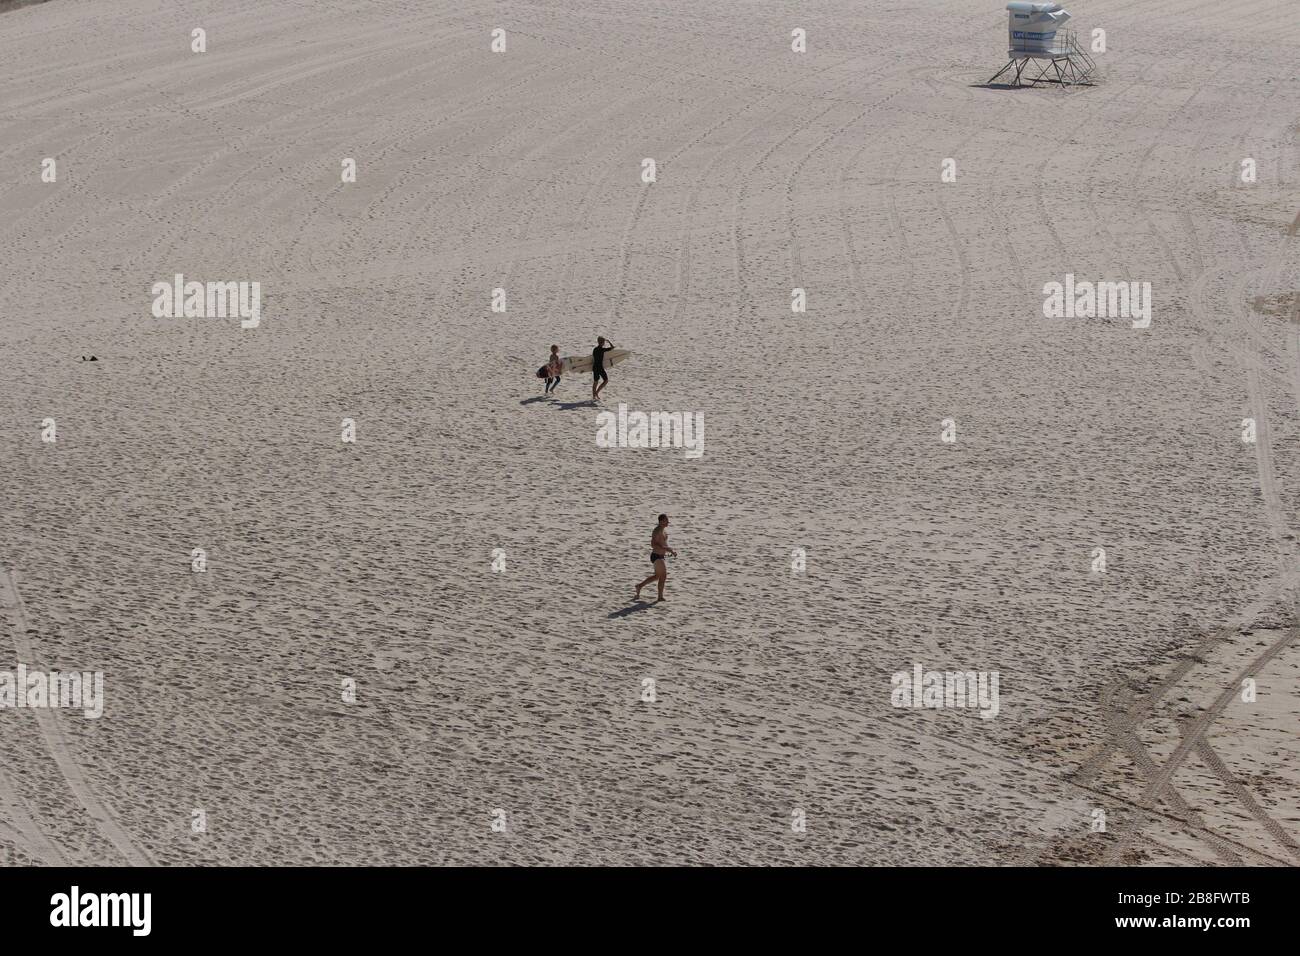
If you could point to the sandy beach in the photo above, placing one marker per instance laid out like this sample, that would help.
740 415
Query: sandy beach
410 634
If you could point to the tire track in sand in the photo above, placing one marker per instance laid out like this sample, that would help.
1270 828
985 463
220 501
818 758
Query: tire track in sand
683 252
56 742
1194 735
1122 728
1210 757
18 825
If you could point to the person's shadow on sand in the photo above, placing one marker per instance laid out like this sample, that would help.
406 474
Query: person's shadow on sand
638 606
539 398
589 403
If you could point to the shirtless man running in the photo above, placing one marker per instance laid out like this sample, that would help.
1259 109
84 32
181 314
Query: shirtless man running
659 551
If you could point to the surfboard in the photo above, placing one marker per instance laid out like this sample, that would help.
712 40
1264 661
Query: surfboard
582 363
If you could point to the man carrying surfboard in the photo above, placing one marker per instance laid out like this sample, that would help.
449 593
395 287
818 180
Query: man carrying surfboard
659 552
599 378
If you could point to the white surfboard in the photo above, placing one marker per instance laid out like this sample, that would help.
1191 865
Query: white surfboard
582 363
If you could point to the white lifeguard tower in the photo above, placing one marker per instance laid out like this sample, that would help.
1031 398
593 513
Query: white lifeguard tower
1037 39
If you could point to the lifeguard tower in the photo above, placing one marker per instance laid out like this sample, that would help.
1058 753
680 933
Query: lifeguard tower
1038 40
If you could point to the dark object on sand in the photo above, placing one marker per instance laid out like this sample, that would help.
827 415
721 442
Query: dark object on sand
15 4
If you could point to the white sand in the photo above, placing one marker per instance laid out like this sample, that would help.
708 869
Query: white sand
521 690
